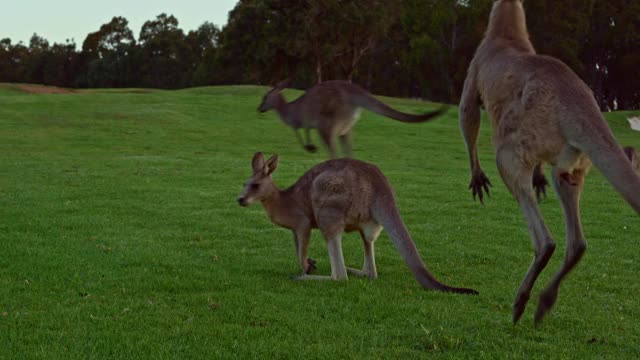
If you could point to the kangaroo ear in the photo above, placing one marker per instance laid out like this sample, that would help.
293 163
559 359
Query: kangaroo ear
283 84
271 165
258 162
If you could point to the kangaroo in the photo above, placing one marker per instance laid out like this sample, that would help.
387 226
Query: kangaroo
540 181
634 157
332 108
337 196
540 111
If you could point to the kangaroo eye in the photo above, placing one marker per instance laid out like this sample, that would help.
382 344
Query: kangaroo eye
254 186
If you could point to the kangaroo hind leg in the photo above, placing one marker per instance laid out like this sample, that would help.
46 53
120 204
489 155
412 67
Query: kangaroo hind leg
369 234
517 176
336 258
345 142
330 142
569 194
301 237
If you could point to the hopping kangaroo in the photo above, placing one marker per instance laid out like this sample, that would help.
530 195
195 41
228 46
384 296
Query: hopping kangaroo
540 111
337 196
333 108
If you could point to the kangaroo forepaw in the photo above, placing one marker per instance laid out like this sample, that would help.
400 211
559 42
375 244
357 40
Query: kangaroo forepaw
310 148
479 184
518 306
547 300
311 266
540 185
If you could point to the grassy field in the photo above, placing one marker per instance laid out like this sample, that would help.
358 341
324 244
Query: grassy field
120 237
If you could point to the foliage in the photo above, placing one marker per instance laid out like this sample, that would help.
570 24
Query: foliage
613 54
442 37
411 48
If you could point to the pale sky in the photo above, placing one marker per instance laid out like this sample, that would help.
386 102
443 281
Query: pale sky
57 20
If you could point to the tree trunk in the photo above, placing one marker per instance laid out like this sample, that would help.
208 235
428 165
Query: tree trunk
318 70
370 73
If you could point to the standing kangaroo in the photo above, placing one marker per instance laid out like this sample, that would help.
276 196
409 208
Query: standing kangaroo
333 108
337 196
540 111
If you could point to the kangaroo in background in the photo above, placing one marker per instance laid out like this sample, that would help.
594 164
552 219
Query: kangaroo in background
540 181
540 111
332 108
634 157
337 196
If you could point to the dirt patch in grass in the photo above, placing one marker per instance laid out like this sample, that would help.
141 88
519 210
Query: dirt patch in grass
42 89
45 89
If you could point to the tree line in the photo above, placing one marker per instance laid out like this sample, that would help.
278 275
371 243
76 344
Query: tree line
409 48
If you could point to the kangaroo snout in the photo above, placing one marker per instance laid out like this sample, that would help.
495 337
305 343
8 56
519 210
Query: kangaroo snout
242 201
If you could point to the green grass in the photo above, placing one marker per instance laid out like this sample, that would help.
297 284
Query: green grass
121 238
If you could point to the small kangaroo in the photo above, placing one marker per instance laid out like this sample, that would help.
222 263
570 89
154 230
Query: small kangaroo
634 157
332 108
540 112
337 196
540 181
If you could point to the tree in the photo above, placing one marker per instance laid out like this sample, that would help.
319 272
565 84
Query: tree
560 29
108 56
612 54
442 38
109 38
283 38
38 48
255 45
203 43
166 60
203 39
357 27
60 65
6 64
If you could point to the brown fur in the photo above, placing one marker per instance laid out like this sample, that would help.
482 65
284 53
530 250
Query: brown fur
337 196
634 157
540 111
540 181
332 108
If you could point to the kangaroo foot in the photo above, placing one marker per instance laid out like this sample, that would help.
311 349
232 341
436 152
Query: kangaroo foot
479 182
357 272
547 300
311 266
518 306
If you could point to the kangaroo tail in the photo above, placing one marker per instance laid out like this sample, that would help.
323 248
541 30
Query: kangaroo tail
390 219
365 100
612 161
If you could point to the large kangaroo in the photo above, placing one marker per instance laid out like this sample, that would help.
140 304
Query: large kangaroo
540 111
337 196
333 108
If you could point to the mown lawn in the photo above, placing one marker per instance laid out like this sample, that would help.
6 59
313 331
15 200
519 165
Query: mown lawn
120 237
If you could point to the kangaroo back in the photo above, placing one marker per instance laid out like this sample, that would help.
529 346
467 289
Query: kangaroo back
611 160
385 212
365 100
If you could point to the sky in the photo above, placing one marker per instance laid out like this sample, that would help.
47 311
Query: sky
58 20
